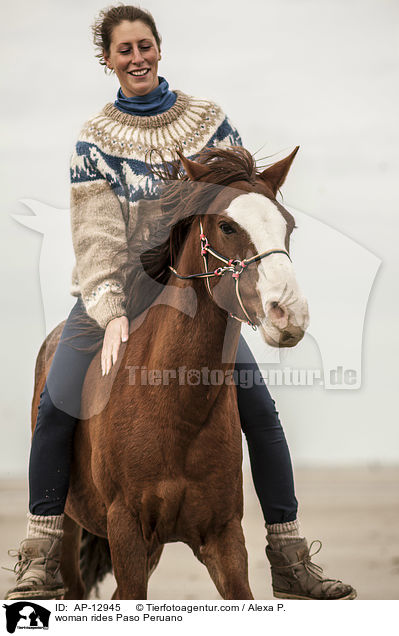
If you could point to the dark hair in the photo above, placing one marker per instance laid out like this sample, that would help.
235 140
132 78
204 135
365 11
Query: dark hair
109 18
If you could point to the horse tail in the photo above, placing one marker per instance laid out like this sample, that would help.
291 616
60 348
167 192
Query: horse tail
95 561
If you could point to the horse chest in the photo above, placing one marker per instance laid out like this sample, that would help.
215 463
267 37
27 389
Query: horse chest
183 509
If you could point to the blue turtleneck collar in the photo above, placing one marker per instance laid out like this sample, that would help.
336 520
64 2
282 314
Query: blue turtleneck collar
157 101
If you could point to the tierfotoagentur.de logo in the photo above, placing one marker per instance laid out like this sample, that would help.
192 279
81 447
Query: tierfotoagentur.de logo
26 615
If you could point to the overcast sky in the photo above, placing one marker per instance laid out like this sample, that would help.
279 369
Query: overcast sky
319 73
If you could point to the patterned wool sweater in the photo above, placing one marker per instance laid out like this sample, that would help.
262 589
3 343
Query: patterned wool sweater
109 176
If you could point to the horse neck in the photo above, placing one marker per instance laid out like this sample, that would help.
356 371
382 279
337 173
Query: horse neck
192 338
208 334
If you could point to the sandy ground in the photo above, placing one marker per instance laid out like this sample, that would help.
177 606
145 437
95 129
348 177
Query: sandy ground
355 512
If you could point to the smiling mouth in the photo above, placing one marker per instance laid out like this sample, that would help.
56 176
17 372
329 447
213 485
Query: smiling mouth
139 73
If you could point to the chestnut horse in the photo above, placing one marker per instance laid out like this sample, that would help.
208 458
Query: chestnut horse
159 460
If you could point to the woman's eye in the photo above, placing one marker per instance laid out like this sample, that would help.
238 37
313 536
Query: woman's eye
227 228
143 47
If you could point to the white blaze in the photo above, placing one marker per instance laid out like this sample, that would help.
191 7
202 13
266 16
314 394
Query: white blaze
267 228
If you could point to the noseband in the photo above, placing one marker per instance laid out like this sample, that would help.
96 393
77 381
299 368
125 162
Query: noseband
235 266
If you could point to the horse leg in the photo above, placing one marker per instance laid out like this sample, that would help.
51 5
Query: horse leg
128 553
70 557
225 556
153 559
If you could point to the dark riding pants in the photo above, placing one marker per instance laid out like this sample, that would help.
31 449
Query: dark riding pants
51 450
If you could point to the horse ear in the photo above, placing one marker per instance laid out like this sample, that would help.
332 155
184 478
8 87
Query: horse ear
195 171
275 175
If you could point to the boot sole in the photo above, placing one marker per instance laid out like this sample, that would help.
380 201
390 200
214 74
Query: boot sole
349 597
39 595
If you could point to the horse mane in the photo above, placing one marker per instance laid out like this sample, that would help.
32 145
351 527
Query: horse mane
180 200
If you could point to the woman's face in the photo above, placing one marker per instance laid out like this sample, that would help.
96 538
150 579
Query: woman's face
134 57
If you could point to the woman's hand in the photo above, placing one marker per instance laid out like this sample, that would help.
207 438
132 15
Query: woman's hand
117 331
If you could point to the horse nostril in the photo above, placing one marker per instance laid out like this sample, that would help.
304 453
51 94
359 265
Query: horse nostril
285 336
277 315
276 311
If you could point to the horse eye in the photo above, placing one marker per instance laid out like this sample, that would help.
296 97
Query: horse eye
227 228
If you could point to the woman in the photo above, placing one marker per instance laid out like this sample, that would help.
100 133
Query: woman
109 177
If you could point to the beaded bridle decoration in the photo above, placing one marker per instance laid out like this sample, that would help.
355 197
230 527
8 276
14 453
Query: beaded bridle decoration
235 266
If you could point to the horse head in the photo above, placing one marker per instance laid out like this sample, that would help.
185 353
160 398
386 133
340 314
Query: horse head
244 241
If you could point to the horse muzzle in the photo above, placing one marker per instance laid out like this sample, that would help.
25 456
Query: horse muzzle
285 326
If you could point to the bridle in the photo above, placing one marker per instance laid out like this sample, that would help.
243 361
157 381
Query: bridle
235 266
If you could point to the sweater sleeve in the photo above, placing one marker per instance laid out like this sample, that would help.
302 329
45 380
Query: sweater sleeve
98 234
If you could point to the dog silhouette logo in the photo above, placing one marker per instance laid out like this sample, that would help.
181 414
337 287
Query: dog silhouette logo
26 615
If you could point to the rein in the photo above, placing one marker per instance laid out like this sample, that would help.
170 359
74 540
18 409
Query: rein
235 266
